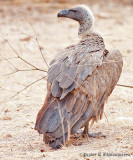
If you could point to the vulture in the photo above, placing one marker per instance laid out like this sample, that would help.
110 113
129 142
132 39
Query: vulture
80 80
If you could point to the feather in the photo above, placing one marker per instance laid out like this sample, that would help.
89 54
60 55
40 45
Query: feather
67 90
55 89
67 77
70 101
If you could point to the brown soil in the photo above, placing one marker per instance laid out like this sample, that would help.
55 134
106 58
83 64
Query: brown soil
18 138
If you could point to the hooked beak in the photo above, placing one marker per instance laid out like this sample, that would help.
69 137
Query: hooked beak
63 13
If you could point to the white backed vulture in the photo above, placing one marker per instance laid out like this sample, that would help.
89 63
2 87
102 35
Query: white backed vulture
80 79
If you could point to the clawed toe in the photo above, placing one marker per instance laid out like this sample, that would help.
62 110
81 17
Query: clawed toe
96 135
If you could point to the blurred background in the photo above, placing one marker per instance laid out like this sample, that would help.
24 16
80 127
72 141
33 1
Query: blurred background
30 29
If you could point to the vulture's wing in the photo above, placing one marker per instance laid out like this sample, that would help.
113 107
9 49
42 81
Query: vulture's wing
79 82
70 68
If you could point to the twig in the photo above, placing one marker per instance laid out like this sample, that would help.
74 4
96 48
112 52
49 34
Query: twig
11 64
9 58
28 35
122 85
106 118
22 58
62 124
20 83
28 86
37 40
20 70
17 93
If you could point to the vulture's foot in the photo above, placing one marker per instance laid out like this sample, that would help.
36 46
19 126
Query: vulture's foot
94 135
55 145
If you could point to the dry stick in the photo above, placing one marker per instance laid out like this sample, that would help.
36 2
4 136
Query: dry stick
34 67
69 129
121 85
37 41
24 59
11 64
20 70
28 35
20 83
94 93
28 86
16 69
61 117
17 93
106 118
9 58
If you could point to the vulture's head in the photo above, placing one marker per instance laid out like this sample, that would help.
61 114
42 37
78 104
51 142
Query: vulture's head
82 14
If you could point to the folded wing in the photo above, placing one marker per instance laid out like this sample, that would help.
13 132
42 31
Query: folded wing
79 82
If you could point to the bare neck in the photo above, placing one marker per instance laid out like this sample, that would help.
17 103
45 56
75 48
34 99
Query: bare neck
85 26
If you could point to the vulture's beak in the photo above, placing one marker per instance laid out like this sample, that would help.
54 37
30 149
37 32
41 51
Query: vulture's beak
63 13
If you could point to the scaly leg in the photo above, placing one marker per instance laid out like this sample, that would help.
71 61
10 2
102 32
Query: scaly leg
94 135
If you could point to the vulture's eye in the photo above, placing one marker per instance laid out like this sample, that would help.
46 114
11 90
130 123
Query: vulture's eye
72 10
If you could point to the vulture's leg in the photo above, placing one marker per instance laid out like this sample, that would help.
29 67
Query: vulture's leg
45 139
94 135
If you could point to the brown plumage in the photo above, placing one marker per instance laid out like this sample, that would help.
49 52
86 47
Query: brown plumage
80 79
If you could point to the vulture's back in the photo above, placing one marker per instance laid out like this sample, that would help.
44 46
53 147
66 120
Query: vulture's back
80 80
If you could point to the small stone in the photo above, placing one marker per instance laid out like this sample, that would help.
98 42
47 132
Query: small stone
42 150
8 136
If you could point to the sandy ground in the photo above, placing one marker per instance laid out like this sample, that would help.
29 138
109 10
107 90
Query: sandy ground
18 139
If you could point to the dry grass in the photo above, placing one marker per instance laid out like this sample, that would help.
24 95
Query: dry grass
18 138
